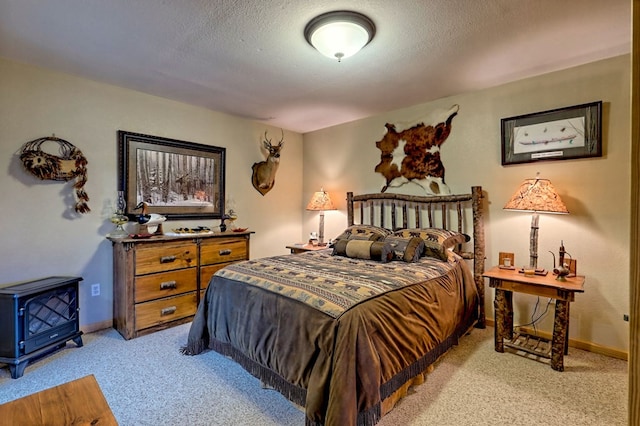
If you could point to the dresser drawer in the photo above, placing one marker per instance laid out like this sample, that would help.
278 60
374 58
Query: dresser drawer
169 309
159 257
206 272
163 284
221 250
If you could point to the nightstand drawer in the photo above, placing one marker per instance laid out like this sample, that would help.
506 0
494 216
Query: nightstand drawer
164 284
223 250
152 258
169 309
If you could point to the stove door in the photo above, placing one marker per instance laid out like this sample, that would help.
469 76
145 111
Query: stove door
49 317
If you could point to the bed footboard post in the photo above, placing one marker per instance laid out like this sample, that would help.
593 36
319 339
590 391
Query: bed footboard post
479 252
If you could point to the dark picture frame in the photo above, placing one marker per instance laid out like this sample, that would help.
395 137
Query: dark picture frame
177 179
557 134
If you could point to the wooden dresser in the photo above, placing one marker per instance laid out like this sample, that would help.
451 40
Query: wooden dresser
158 281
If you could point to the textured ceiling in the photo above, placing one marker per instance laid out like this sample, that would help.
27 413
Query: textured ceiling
249 57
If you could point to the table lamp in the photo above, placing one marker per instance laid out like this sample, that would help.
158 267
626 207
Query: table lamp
536 196
321 202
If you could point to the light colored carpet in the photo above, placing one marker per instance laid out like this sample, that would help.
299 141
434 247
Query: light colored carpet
146 381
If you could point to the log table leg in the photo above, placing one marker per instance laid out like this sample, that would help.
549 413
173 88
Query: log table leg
503 316
559 342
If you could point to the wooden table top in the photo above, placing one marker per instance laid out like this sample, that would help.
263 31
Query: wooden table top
307 247
573 284
79 402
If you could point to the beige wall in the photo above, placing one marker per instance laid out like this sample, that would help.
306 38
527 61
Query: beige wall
596 191
41 236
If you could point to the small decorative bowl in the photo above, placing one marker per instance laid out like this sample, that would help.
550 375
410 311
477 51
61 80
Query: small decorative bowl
240 229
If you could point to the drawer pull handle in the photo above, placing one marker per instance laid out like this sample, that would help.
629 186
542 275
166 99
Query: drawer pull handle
168 311
225 252
167 259
168 285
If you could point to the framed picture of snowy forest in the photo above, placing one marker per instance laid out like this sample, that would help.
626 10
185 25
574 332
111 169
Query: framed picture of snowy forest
177 179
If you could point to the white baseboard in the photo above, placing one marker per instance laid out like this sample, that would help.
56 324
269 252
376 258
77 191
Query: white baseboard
92 328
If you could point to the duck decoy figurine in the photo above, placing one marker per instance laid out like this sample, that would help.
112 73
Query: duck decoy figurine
150 220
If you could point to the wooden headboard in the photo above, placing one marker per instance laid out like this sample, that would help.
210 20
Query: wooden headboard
397 211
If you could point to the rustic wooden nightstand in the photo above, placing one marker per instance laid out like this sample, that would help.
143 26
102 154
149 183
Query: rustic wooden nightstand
506 282
301 248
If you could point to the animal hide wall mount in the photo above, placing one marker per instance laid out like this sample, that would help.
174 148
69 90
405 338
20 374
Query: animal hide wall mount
263 177
68 164
413 155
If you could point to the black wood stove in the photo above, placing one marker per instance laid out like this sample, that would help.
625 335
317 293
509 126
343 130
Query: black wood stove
37 317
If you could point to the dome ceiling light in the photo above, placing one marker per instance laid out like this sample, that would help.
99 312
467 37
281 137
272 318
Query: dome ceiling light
339 34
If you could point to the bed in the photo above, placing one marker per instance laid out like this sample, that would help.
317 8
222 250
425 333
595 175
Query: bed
344 332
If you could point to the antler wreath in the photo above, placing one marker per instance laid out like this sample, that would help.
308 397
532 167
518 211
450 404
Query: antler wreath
70 164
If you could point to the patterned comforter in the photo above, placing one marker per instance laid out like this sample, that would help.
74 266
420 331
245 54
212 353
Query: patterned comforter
333 334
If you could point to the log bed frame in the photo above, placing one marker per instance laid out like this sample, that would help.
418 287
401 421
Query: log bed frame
391 211
441 211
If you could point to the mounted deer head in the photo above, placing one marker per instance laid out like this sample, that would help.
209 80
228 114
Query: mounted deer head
264 172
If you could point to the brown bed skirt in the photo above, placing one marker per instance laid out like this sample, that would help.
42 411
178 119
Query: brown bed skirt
391 392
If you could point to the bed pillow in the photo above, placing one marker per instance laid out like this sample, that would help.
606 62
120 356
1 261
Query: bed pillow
364 232
436 240
408 249
363 249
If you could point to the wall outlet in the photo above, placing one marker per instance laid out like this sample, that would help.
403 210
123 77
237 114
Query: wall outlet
625 317
95 289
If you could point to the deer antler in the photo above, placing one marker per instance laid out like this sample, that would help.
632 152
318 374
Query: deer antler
267 140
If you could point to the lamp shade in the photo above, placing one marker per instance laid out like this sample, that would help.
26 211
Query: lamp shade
536 195
339 34
320 201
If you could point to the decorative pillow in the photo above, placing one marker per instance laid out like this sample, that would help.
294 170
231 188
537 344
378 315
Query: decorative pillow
435 250
363 249
408 249
364 232
444 237
436 240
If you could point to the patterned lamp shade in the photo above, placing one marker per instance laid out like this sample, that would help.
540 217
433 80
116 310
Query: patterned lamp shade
320 201
536 195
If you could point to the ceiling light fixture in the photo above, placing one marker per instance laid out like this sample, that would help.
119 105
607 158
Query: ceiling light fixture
339 34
